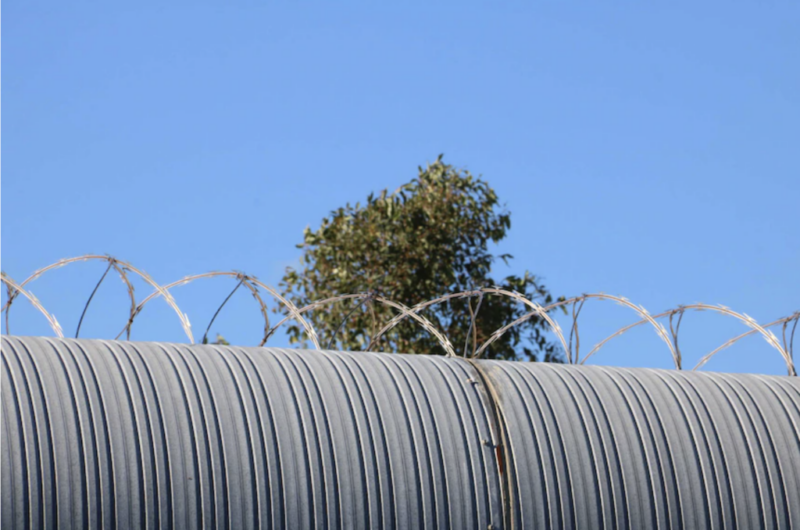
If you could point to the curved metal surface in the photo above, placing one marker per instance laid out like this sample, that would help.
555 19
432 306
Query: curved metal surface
594 447
123 434
134 435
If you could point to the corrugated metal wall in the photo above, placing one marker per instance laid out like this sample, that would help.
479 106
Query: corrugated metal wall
126 434
133 434
593 447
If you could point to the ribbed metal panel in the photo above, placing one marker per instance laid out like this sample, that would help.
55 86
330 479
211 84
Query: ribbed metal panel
131 435
134 435
593 447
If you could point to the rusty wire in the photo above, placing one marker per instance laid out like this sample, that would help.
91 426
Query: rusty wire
675 316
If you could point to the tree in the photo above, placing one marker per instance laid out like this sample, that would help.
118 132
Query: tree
428 238
219 341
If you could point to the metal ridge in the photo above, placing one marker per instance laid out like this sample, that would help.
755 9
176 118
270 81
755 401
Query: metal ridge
132 434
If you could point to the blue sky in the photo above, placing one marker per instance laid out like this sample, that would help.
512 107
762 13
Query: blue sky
648 150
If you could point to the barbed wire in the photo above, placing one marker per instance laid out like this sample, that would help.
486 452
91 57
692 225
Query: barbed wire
15 289
785 347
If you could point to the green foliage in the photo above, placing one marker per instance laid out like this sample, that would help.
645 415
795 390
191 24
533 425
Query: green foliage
220 340
428 238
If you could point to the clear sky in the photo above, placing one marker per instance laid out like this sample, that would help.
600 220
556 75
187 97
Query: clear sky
645 149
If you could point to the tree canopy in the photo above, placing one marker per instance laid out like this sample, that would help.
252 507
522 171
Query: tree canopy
428 238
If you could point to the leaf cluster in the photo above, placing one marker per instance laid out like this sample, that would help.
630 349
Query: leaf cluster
429 237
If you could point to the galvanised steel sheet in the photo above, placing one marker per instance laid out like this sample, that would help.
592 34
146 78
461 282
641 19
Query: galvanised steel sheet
594 447
129 435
